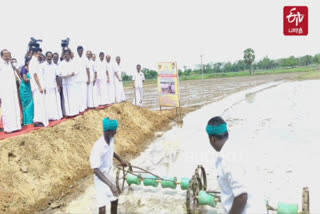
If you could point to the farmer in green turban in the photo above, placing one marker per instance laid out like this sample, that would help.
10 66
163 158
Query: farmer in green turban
101 161
236 198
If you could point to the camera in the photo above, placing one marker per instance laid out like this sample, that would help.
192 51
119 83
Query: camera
65 43
34 43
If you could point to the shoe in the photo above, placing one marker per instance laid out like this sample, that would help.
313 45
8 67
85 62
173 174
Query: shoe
38 125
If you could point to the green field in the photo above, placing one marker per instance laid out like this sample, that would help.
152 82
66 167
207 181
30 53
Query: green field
311 73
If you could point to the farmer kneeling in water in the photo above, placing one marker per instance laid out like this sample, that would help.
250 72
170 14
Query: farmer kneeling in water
236 197
101 160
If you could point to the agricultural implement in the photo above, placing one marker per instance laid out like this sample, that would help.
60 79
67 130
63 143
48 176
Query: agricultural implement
196 187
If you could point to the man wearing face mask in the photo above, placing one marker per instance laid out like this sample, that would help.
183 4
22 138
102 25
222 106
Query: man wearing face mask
15 67
38 88
8 95
52 91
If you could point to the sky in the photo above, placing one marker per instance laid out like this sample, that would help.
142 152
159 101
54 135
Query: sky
147 31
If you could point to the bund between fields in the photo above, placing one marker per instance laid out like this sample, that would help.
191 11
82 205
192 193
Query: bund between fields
40 167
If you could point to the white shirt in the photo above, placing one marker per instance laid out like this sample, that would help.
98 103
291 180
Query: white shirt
7 79
66 70
117 69
81 63
110 71
50 73
36 68
101 69
138 79
92 68
102 155
233 181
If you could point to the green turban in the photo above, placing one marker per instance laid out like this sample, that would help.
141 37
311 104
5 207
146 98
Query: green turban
109 124
217 130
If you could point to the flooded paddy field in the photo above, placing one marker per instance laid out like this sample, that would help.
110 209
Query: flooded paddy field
274 133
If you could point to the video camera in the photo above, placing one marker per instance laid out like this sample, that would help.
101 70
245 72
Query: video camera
34 43
65 43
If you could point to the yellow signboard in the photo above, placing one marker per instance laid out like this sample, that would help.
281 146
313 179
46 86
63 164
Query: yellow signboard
168 84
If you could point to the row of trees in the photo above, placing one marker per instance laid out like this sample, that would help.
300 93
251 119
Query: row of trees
247 63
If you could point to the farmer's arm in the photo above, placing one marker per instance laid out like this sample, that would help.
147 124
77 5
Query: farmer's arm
239 204
105 180
123 162
237 180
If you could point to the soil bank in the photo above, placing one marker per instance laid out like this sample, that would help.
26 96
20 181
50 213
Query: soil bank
39 168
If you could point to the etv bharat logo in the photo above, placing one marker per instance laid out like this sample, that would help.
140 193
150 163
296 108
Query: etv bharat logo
295 20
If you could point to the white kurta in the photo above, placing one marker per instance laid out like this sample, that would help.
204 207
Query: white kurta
138 84
81 63
70 88
92 99
110 84
233 181
53 100
102 87
120 96
9 98
39 99
102 158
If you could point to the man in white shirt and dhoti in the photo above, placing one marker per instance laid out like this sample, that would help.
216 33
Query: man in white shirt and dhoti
59 81
53 100
120 96
101 161
68 72
81 63
138 79
8 95
92 99
237 195
38 88
101 82
110 81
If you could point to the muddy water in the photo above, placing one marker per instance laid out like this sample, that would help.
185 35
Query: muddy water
200 92
273 132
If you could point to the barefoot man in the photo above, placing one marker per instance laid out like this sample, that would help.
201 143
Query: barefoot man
101 161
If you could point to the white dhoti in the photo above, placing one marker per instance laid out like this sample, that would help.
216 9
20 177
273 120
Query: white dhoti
92 99
71 99
120 96
102 90
83 88
10 112
138 99
111 92
40 109
53 104
103 192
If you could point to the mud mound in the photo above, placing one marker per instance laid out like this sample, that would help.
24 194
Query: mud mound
39 167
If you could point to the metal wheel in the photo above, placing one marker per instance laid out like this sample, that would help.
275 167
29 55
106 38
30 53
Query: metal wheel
121 177
305 201
192 195
203 178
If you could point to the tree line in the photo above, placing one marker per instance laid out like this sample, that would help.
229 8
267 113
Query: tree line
246 63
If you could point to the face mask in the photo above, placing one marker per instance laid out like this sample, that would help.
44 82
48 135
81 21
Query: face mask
14 64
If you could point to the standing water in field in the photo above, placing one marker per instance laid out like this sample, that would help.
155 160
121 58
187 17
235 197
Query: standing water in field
274 132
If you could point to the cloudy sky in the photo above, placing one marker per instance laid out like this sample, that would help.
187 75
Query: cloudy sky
149 31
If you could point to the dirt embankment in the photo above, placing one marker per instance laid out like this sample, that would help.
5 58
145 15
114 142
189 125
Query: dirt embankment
39 167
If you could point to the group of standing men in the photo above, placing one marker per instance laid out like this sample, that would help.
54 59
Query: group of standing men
52 88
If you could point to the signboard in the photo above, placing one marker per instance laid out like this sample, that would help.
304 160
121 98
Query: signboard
168 84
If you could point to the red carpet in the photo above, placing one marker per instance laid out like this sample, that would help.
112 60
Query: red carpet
29 128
